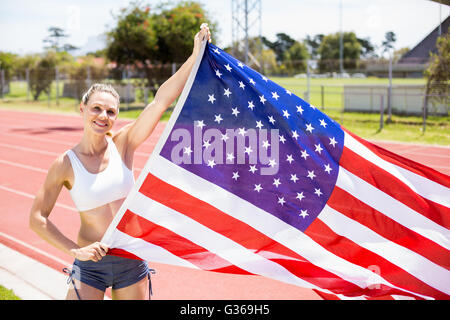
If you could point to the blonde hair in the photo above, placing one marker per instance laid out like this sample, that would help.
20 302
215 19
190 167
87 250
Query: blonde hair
100 87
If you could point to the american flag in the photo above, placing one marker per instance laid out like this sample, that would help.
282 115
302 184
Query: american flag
248 178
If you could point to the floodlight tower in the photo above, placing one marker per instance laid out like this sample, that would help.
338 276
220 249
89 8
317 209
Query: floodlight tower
246 16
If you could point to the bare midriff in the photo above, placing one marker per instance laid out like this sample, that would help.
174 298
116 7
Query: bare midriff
95 222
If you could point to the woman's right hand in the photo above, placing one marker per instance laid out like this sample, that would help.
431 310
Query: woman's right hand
95 252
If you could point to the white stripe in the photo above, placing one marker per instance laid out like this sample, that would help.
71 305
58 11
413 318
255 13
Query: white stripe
392 208
421 185
212 241
29 149
420 267
31 196
146 250
264 222
23 166
30 137
397 297
37 250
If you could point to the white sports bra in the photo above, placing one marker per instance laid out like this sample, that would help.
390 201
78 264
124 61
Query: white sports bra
91 190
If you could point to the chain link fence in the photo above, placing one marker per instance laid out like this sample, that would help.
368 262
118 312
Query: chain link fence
137 87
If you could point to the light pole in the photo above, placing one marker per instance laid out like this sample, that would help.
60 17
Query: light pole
341 41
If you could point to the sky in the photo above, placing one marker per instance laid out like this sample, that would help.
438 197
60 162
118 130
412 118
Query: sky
24 23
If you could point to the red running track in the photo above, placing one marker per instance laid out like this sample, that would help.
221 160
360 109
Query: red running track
29 142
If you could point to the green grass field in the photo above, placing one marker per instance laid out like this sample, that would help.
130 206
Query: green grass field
6 294
366 125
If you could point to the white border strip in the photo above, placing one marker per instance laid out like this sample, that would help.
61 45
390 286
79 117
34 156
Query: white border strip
413 263
392 208
421 185
148 251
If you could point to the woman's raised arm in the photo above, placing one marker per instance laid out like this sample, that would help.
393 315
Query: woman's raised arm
139 130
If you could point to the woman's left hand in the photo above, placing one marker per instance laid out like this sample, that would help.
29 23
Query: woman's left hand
203 34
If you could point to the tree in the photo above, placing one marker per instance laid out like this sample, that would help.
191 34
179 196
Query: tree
438 72
78 73
282 43
42 70
388 43
296 58
258 59
175 29
313 44
398 54
133 39
329 52
142 38
8 61
54 38
269 61
367 48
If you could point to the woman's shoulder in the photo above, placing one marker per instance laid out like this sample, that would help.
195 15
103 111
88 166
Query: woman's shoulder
61 168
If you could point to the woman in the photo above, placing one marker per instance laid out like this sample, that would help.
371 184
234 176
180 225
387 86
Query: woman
97 171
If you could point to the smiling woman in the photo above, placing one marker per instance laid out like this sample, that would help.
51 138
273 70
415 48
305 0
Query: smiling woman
98 174
107 100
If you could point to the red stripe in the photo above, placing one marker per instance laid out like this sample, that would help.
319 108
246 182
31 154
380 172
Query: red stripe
329 296
243 234
386 227
352 252
381 298
122 253
138 227
394 187
326 296
403 162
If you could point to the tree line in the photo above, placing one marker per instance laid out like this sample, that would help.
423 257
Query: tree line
143 38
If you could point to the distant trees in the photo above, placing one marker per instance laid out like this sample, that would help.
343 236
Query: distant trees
329 52
42 70
388 43
53 40
7 64
291 55
142 37
438 72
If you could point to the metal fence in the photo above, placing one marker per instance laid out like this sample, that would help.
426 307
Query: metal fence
137 88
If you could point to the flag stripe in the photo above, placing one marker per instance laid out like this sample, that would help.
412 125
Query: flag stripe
351 251
383 180
357 210
415 267
260 220
212 241
392 208
421 268
356 143
425 187
138 227
145 250
370 207
123 253
241 233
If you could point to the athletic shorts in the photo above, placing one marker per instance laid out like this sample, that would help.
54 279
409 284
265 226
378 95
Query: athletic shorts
110 271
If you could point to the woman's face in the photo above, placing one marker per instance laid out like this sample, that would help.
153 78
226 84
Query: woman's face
100 112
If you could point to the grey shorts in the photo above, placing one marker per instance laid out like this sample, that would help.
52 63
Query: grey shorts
110 271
